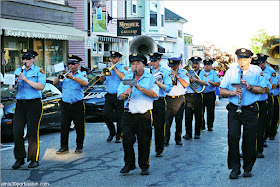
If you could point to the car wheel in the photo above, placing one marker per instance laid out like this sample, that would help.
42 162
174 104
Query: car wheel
72 126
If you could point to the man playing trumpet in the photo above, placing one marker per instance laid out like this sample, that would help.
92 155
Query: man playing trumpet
113 80
254 85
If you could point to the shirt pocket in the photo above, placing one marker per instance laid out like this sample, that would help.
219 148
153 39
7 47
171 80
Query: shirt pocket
33 77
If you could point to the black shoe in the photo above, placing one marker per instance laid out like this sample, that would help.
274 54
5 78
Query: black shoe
179 142
62 151
110 138
272 138
210 129
145 172
158 154
187 137
166 143
18 163
127 168
247 173
79 150
118 139
203 128
234 174
33 164
241 155
196 137
264 144
260 155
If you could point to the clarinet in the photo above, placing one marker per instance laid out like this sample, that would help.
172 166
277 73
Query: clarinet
128 98
15 87
239 111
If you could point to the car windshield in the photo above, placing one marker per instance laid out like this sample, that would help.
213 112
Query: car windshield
93 77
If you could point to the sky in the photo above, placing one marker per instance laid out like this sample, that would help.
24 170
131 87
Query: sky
227 24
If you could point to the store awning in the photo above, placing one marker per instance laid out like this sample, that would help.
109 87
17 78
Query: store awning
26 29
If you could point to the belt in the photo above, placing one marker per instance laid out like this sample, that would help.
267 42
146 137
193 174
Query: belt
161 98
265 101
191 93
209 92
245 106
112 94
173 97
72 103
27 100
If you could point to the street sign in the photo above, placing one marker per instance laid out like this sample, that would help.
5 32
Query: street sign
88 42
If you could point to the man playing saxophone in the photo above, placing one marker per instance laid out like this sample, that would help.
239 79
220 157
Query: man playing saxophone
175 100
113 80
255 85
163 80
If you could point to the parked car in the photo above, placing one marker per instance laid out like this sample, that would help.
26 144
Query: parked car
51 98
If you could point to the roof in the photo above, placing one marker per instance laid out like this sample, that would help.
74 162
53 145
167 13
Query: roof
171 15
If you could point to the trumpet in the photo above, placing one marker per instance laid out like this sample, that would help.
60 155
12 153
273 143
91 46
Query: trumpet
61 78
174 82
107 71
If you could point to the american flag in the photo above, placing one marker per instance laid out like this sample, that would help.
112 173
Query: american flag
3 62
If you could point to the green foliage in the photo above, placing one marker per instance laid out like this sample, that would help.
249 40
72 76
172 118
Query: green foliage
257 41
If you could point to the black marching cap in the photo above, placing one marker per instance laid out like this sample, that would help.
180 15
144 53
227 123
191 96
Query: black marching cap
155 56
115 54
138 57
260 58
207 62
243 53
29 53
174 61
195 59
74 59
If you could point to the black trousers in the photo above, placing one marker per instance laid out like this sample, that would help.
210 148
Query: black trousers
27 112
159 123
140 126
73 112
193 106
209 102
261 124
270 111
275 118
112 103
175 108
249 119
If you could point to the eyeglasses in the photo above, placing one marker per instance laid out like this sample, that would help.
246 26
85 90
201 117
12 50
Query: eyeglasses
27 58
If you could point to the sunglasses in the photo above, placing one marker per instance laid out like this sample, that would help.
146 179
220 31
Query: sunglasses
26 57
71 63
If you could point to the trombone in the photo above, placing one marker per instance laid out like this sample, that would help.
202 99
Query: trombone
106 71
174 75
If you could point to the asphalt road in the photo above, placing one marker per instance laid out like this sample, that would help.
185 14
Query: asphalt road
200 162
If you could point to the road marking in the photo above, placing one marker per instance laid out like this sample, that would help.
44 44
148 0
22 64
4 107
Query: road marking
10 146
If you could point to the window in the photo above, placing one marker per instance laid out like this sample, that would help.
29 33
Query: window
153 19
114 10
133 6
98 48
162 20
180 34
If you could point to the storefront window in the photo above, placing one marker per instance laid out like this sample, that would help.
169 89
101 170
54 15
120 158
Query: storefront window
37 45
13 47
54 54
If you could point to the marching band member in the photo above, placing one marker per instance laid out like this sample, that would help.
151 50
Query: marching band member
73 108
209 96
193 105
163 80
111 101
175 100
137 118
29 109
246 98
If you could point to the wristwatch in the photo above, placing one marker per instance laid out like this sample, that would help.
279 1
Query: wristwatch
250 88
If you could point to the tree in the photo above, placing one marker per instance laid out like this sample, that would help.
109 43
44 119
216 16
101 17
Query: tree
257 41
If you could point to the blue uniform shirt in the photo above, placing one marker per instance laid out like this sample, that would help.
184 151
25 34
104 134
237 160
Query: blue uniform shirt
272 76
212 76
71 90
166 81
24 90
276 91
113 81
265 77
252 76
179 89
189 89
140 102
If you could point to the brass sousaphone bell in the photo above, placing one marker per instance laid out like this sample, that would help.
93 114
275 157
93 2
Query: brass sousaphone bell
271 48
